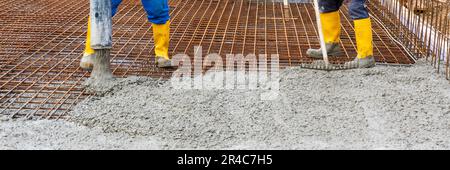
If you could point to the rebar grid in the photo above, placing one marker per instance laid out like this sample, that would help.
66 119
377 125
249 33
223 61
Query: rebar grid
41 43
421 26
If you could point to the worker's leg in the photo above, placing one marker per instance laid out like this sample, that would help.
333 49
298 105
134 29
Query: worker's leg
157 11
331 28
115 5
363 27
158 15
89 53
363 32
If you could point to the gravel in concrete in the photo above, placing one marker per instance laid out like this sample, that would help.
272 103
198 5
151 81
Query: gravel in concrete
57 135
377 108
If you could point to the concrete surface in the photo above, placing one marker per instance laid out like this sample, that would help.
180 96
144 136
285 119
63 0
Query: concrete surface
53 135
378 108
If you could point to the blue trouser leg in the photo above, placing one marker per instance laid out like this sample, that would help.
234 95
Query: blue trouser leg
357 8
115 4
326 6
157 10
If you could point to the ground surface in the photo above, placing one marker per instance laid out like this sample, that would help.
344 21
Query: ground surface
378 108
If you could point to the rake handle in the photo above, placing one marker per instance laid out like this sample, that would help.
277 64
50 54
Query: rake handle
321 37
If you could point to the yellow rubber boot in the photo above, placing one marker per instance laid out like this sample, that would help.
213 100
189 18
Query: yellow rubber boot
331 28
364 39
331 23
364 43
161 35
87 61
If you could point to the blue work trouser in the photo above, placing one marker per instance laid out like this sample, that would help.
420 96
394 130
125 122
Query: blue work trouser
357 8
157 10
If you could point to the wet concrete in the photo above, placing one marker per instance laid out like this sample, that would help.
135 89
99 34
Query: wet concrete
377 108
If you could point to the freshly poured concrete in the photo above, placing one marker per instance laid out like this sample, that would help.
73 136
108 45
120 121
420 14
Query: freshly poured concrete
47 134
377 108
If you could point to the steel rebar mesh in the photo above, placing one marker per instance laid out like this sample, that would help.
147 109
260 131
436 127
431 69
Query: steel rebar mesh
422 26
41 43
